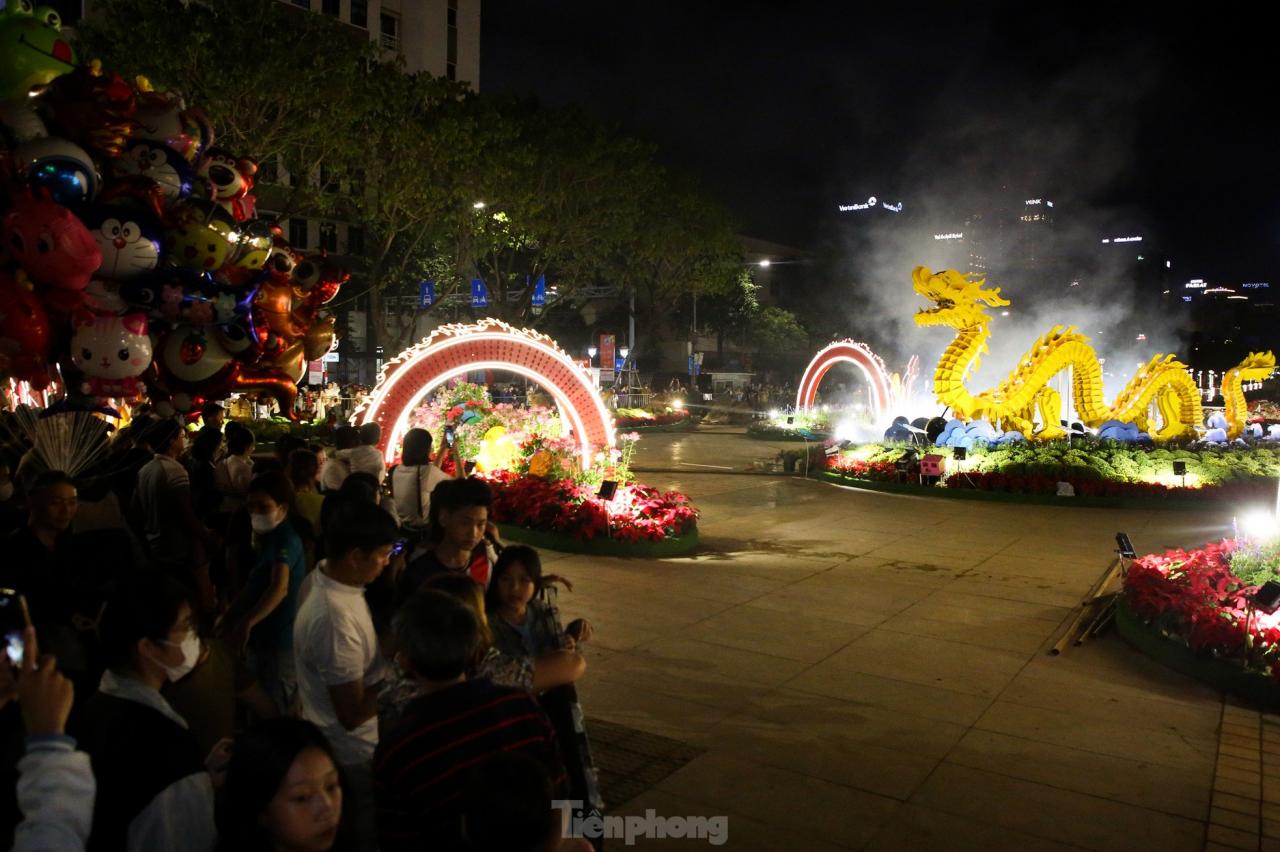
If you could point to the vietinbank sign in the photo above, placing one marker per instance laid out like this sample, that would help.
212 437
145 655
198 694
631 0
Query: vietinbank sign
870 204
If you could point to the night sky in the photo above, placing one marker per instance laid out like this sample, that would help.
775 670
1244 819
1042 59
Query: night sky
1140 120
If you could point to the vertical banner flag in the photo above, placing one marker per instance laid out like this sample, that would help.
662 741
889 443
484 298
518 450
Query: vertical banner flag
540 292
607 356
479 295
426 294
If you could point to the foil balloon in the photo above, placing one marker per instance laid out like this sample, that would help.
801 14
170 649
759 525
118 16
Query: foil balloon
319 338
60 168
91 108
148 159
254 244
111 352
231 179
193 368
180 295
24 334
33 50
54 248
163 117
201 237
129 237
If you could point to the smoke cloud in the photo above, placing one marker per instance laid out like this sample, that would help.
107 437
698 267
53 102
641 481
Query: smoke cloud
1069 138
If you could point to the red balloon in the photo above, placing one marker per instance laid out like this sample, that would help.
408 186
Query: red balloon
24 334
54 247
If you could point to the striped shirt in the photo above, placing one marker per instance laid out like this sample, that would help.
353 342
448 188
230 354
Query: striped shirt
421 766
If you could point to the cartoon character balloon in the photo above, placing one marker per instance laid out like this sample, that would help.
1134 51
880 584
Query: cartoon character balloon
202 236
163 117
54 248
129 238
111 351
161 164
232 179
33 50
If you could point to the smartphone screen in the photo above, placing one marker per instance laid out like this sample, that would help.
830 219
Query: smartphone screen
448 436
399 547
13 620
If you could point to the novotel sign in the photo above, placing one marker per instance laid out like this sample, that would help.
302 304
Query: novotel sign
871 204
1256 285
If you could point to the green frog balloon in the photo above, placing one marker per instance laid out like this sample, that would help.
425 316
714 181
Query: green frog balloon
33 50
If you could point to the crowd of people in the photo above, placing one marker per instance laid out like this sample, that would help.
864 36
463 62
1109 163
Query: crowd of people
235 650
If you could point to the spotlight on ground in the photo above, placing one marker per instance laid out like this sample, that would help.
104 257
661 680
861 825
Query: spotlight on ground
1259 525
1125 547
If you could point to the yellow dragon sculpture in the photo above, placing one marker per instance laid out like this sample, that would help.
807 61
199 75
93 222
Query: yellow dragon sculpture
960 302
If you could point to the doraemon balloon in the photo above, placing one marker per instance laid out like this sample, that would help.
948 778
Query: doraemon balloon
129 237
165 166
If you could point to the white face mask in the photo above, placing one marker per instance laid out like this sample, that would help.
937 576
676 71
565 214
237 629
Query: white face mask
190 655
264 523
6 492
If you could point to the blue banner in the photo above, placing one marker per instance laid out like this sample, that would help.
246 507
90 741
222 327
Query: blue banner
540 292
426 294
479 295
617 364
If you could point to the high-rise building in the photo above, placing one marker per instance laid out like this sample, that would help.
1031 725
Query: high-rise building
440 37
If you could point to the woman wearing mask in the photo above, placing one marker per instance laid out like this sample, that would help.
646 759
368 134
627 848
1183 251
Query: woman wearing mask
283 790
154 790
262 619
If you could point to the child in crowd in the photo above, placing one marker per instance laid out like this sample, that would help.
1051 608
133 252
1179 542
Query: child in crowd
340 667
454 723
154 790
263 616
283 790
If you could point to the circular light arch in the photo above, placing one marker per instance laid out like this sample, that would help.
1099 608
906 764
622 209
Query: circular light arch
842 352
489 344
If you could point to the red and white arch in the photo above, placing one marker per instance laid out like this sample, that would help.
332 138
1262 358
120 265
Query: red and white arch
490 344
847 352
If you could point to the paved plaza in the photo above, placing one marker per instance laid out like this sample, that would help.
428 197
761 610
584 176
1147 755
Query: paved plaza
853 670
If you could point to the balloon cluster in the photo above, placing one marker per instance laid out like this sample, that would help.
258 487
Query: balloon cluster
131 257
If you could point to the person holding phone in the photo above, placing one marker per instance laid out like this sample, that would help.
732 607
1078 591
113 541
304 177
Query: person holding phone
416 477
155 789
56 788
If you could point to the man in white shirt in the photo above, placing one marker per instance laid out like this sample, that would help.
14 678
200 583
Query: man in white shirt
340 667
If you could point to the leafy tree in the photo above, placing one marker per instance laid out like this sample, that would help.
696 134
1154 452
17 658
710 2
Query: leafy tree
278 83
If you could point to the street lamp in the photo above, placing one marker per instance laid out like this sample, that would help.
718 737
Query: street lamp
766 263
479 205
624 352
591 351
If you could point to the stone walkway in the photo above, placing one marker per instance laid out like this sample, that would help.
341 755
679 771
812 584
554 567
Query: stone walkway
868 671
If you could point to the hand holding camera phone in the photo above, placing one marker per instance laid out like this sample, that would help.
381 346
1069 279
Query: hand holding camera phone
14 620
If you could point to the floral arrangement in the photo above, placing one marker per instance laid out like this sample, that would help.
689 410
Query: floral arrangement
1036 484
636 513
537 478
860 469
1197 597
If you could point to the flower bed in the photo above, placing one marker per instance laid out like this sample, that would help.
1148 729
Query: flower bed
1198 602
565 508
1238 490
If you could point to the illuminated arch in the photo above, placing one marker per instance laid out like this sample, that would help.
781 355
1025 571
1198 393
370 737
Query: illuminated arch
489 344
847 351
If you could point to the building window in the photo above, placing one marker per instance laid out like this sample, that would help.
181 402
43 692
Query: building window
451 45
298 227
360 13
331 7
305 4
389 25
329 237
328 183
355 239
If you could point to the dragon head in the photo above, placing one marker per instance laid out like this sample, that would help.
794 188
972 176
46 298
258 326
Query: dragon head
958 299
1257 367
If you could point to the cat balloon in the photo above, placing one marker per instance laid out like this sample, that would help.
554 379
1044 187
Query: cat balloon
111 351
